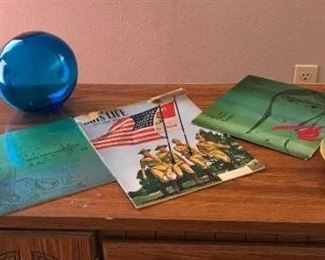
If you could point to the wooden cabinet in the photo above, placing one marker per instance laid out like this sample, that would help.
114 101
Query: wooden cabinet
24 245
146 250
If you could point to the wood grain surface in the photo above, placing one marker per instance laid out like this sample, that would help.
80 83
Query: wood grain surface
148 250
287 198
49 246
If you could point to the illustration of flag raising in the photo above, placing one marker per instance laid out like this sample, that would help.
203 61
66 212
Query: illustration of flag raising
131 130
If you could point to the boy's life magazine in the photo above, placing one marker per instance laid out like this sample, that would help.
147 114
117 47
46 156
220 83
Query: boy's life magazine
46 162
156 153
281 116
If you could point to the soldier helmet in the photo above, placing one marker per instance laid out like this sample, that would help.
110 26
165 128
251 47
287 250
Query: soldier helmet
160 146
142 151
176 140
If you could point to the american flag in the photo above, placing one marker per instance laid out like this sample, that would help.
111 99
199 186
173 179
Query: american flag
136 129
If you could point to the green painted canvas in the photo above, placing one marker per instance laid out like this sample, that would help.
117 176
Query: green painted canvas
45 162
284 117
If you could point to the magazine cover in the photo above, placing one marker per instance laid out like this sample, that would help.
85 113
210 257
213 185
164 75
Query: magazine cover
281 116
156 153
45 162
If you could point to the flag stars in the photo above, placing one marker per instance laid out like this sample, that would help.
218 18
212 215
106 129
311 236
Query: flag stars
144 119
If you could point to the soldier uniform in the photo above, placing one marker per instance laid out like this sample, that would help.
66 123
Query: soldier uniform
195 157
211 148
158 168
179 166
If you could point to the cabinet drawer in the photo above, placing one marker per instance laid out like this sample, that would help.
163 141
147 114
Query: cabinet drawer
24 245
128 249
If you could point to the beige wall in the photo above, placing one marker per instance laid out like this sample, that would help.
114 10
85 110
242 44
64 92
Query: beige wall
151 41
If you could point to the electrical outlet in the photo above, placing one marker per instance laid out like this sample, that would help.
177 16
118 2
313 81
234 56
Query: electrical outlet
305 74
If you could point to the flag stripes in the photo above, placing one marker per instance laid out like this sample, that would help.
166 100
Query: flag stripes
130 130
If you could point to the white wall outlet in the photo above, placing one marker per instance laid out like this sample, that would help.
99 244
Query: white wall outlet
305 74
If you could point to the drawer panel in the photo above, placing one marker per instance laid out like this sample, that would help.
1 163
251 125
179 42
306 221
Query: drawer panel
16 245
153 250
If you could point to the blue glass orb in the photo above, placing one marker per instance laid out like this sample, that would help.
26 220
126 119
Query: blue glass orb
38 71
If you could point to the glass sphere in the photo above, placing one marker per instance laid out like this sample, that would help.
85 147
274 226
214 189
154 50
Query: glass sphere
38 71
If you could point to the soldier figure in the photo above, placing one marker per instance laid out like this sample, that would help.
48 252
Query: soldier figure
159 169
178 165
211 149
193 156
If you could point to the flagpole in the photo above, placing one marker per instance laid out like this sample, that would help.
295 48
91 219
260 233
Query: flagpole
165 129
182 126
157 100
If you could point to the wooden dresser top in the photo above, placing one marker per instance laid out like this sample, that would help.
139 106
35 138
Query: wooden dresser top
288 194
